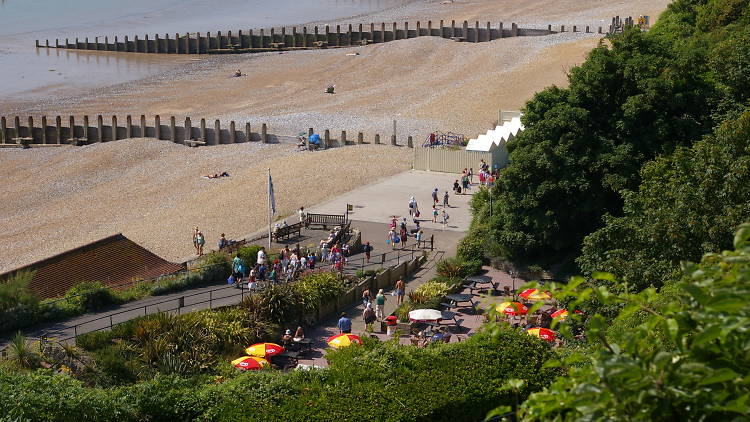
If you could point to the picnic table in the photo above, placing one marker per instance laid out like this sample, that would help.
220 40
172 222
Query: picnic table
477 280
457 299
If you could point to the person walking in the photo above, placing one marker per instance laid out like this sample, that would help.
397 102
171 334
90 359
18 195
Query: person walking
344 324
471 175
400 291
445 217
445 200
418 237
435 197
261 256
369 317
200 241
412 206
403 234
368 250
366 298
379 304
434 214
195 239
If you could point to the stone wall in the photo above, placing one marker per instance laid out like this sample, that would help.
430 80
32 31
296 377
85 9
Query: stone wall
298 38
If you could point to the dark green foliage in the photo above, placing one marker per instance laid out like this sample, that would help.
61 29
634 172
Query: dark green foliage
689 203
89 296
457 268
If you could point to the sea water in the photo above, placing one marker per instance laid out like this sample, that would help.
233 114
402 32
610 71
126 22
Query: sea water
28 73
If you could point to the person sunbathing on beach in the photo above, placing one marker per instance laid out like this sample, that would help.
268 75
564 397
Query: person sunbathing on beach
238 73
215 175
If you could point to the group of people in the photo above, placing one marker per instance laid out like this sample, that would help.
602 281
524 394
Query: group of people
286 267
289 339
424 337
198 241
332 252
399 232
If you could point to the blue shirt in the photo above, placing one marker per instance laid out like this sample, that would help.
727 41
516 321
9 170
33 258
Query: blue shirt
344 324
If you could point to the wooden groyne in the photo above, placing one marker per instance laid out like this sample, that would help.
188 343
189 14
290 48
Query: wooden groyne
300 38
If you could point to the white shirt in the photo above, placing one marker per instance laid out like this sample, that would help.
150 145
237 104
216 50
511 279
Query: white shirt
261 257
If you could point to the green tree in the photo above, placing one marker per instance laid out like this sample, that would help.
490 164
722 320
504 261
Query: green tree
702 376
688 204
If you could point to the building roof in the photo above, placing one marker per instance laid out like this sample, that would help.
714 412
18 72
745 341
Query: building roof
497 137
114 261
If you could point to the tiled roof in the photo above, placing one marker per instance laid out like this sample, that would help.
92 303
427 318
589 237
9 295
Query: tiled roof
114 261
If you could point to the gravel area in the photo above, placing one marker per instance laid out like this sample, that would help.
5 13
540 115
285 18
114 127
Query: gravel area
152 191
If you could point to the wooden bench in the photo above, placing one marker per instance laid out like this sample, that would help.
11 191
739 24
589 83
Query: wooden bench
325 220
194 142
287 231
278 45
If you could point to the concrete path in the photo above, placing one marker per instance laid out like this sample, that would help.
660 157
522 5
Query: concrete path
379 201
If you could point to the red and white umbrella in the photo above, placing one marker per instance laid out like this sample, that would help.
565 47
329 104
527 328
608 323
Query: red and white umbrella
542 333
560 313
425 315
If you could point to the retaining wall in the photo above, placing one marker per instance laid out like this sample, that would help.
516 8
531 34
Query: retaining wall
299 38
77 132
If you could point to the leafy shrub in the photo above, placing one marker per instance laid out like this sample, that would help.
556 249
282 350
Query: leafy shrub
15 291
95 340
249 254
89 296
432 291
22 352
457 268
367 273
471 247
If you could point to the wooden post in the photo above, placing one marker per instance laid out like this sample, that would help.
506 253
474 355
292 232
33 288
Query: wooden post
188 130
145 44
377 138
342 141
128 127
217 132
86 127
143 126
327 138
476 31
72 126
232 133
500 31
395 31
157 126
382 32
156 43
44 130
126 44
248 134
489 32
172 129
203 131
31 129
360 138
409 142
264 133
135 44
100 128
58 129
17 125
3 130
114 128
304 37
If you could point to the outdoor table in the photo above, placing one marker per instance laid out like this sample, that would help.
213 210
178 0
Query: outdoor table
446 315
304 344
481 279
425 315
461 298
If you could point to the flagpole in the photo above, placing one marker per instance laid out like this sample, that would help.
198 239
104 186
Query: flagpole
269 210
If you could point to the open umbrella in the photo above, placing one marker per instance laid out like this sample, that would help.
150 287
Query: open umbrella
535 294
560 313
343 340
264 350
425 315
250 363
512 308
542 333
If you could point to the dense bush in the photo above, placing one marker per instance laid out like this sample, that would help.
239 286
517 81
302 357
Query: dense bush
446 382
14 291
249 254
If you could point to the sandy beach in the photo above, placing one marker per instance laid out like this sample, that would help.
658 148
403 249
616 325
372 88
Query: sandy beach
151 191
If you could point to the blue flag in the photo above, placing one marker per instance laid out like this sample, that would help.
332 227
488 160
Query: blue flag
270 194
